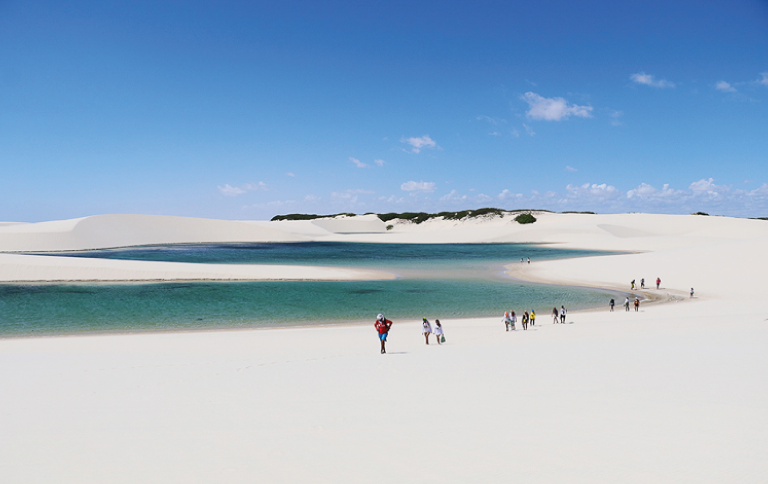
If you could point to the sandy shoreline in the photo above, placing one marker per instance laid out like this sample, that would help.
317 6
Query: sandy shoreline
673 393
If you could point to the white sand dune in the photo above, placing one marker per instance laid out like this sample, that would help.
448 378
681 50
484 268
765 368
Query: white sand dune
675 393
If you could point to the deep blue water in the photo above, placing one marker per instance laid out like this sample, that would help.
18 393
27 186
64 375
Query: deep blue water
435 281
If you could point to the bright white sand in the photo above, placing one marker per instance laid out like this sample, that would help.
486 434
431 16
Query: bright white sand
675 393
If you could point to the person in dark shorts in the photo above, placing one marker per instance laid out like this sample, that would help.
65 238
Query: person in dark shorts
637 304
525 321
532 318
612 304
658 281
382 325
562 314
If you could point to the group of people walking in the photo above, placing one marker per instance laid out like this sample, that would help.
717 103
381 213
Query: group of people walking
510 319
383 324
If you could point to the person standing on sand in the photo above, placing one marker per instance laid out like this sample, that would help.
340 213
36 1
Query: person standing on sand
691 292
658 281
507 320
562 314
529 260
426 329
532 318
611 304
632 284
554 315
513 317
637 304
382 325
626 303
525 321
438 331
642 283
521 260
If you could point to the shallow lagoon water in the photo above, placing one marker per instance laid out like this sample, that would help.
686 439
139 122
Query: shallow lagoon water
435 281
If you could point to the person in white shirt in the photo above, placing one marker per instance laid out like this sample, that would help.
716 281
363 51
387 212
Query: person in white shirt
507 320
562 314
438 331
426 329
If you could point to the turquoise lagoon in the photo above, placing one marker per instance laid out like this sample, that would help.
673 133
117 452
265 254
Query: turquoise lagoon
434 281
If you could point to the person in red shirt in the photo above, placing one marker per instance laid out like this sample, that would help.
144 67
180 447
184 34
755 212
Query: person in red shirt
382 325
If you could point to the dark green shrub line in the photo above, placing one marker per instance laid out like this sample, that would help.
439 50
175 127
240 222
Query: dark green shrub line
307 216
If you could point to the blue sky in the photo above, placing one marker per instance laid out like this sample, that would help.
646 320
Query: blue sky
245 110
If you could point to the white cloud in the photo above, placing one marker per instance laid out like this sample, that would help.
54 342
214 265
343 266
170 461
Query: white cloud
594 190
645 191
529 130
453 197
764 80
553 109
349 197
648 80
419 143
725 87
379 162
495 133
515 133
570 168
421 186
231 191
357 162
507 195
290 174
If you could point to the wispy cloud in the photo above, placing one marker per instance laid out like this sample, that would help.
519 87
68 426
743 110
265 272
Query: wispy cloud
615 115
453 196
349 196
725 87
490 119
649 80
528 130
515 133
419 143
420 186
357 162
764 80
290 174
495 133
553 109
570 168
230 191
379 162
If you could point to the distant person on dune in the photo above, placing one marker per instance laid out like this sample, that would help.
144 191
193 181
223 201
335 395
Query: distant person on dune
525 321
637 304
438 331
691 292
642 283
382 325
658 282
426 329
611 304
513 317
632 284
532 318
555 314
562 314
626 303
